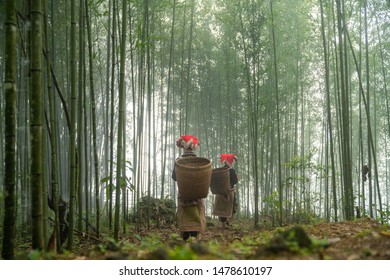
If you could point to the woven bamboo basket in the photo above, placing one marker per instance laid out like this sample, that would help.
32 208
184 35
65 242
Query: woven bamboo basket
193 176
220 180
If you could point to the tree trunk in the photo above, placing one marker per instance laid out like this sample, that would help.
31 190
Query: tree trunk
93 116
73 124
53 186
112 113
328 114
9 222
36 126
279 163
345 119
120 141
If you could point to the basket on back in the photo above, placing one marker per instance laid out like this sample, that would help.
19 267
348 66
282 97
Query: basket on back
193 176
220 180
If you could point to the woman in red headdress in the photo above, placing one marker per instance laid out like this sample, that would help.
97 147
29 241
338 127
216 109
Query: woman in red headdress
225 205
191 214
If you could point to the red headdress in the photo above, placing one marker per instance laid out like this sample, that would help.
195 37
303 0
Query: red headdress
187 142
228 159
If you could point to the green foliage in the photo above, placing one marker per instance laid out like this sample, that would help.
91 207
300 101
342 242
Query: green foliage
35 255
160 211
273 200
151 242
301 167
182 253
384 215
302 216
125 182
364 233
110 245
39 255
294 240
298 215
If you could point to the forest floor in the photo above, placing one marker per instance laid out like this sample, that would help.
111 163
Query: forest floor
361 239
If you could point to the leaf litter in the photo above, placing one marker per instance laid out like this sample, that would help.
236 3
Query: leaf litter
361 239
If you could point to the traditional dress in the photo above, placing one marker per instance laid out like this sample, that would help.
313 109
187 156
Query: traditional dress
225 204
190 213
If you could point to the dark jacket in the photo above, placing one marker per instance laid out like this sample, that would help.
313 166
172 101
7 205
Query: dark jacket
233 177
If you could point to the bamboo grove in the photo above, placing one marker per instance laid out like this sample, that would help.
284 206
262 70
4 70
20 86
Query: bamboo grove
95 93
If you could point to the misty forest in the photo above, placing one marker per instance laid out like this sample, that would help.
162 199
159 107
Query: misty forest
94 95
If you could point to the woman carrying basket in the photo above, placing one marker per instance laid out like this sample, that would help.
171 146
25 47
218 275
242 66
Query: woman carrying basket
190 213
225 205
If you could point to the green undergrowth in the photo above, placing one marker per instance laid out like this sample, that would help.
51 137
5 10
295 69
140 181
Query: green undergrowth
240 241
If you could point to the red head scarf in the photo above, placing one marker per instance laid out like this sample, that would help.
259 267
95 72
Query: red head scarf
188 142
228 159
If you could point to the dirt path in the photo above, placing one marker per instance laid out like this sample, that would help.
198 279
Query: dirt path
362 239
359 239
